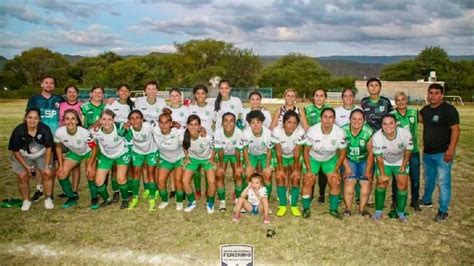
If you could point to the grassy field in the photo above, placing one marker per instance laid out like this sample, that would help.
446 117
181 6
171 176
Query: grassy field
112 236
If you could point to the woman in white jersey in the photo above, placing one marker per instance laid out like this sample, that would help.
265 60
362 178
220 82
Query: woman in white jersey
255 101
288 141
150 105
76 139
226 103
228 145
392 150
290 97
169 141
325 148
180 112
113 151
198 150
143 151
343 112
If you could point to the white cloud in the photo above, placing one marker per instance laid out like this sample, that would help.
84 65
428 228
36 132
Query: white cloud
95 36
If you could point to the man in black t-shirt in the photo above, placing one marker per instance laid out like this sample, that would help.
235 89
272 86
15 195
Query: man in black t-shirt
440 136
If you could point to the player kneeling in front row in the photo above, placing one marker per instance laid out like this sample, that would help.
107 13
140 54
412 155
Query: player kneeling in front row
253 199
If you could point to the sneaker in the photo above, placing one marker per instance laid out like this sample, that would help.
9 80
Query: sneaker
26 205
281 211
48 204
115 197
266 219
36 197
198 195
423 204
441 217
125 204
105 203
402 218
62 196
191 206
69 203
236 217
172 194
365 213
179 206
321 199
133 204
152 203
94 204
377 216
347 213
76 195
222 206
335 214
146 194
163 205
415 206
306 213
210 208
295 211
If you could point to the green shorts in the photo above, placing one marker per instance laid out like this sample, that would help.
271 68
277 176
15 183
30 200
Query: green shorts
286 162
194 164
139 159
171 165
328 166
259 158
105 163
391 170
76 157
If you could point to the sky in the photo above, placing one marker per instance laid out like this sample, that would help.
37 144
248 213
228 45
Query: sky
314 28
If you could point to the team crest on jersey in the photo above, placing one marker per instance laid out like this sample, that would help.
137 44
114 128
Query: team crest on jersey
232 106
78 141
333 142
39 136
381 108
435 118
412 119
207 113
116 139
400 145
56 105
362 142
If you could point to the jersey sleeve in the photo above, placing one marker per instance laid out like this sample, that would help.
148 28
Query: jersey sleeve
408 140
453 116
342 143
48 137
57 136
309 139
15 142
262 192
218 143
245 139
275 136
239 142
377 144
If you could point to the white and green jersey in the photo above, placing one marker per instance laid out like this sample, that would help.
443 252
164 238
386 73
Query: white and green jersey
112 145
201 148
170 146
150 112
233 105
142 140
77 143
288 143
343 115
266 123
179 114
258 145
410 122
206 113
357 145
228 143
325 146
394 149
121 111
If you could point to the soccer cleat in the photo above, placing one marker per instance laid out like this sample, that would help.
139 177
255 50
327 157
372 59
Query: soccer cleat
152 203
26 205
402 218
116 197
38 194
422 204
69 203
335 214
48 204
133 204
94 204
210 208
191 206
105 203
321 199
281 211
365 213
236 217
124 205
76 195
198 195
295 211
163 205
347 213
146 194
179 206
62 196
266 219
377 216
441 217
306 213
415 206
222 206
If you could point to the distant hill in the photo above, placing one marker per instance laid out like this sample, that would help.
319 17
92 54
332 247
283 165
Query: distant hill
350 68
384 59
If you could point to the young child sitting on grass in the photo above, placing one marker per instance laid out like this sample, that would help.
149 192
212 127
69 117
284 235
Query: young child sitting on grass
253 199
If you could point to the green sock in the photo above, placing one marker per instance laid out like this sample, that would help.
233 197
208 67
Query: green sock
135 186
306 199
152 187
130 183
281 191
115 185
357 191
164 195
221 193
211 200
102 190
333 202
67 187
124 191
92 189
379 198
197 180
238 191
401 200
295 192
269 190
190 197
146 185
179 196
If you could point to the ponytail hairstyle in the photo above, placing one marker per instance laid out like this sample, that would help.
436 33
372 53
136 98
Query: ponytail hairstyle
290 113
130 103
217 103
187 135
76 114
166 112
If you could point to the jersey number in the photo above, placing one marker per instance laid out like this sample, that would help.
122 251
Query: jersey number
355 151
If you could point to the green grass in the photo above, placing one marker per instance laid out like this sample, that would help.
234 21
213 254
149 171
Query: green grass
112 236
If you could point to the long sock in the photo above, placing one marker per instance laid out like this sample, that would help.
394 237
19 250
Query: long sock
197 180
92 189
179 196
269 190
221 193
115 184
401 200
130 183
238 191
102 190
190 197
152 188
295 192
124 191
67 187
357 191
146 185
281 191
306 199
135 186
211 200
164 195
333 202
379 198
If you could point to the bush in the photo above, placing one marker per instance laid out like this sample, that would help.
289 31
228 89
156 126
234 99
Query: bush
24 93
